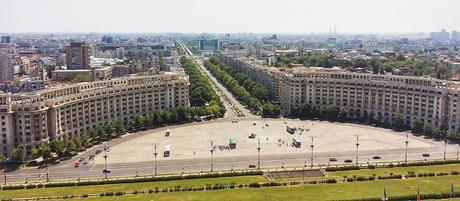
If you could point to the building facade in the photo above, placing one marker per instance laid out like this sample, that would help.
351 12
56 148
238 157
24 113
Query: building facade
6 68
67 111
429 100
77 56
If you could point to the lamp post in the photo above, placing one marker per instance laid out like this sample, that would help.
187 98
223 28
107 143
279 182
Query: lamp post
211 150
445 149
155 159
258 154
357 148
311 155
407 142
105 162
47 173
4 176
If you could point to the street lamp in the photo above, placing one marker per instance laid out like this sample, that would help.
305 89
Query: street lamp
458 150
105 162
258 154
357 148
47 173
4 176
155 160
445 149
311 156
211 150
407 142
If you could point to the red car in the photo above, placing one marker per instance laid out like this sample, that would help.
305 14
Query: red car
252 166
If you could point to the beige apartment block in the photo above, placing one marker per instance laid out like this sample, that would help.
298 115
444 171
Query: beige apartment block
427 99
66 111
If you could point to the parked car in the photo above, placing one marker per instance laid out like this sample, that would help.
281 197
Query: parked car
254 123
426 155
252 166
98 151
252 135
376 157
106 170
348 161
332 159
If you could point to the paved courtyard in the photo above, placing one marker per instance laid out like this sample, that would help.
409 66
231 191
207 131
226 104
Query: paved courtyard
330 139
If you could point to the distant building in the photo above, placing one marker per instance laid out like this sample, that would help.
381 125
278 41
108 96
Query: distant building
107 39
33 84
77 56
123 70
6 39
440 36
208 44
455 35
68 75
6 68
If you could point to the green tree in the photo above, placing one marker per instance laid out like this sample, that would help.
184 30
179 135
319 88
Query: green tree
428 130
417 126
398 121
17 155
56 147
119 128
70 148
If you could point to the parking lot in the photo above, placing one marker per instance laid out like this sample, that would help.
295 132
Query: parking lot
329 139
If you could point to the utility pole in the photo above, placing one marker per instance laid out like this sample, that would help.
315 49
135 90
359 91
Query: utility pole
357 148
258 154
47 173
407 142
311 155
458 150
105 162
4 172
211 150
155 159
445 149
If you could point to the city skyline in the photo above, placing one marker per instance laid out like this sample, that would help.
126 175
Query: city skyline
355 16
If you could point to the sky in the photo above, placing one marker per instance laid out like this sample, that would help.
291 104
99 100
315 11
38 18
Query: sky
229 16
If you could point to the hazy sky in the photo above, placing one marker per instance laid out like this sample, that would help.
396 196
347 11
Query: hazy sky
281 16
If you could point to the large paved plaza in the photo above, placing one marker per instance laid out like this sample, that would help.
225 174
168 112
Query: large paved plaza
330 140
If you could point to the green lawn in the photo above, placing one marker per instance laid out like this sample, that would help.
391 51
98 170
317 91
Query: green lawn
125 187
385 171
397 170
309 192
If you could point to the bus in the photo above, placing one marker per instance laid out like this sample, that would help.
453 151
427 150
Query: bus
291 129
296 142
232 143
167 151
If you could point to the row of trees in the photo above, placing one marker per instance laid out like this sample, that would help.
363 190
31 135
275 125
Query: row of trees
329 112
416 66
252 94
337 113
161 117
201 91
57 149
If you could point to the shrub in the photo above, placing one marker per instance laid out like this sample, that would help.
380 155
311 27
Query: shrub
254 185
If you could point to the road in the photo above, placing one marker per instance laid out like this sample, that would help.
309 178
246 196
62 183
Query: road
231 104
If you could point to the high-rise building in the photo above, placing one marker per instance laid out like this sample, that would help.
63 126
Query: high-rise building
107 39
6 68
6 39
440 36
455 35
204 44
77 56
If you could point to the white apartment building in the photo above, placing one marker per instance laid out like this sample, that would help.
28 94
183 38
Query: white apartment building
67 111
